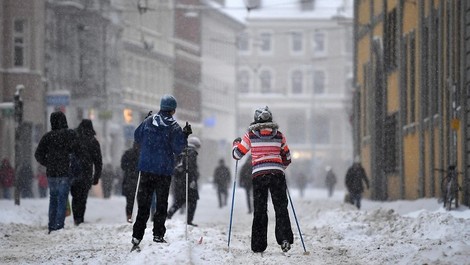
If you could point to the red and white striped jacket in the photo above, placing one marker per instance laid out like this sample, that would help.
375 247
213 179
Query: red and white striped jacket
268 147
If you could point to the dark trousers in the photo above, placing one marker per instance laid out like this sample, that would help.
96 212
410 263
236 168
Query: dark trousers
356 199
181 200
79 191
276 185
148 184
222 196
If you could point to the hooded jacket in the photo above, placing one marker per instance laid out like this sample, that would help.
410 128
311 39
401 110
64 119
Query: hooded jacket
55 146
160 140
268 146
89 152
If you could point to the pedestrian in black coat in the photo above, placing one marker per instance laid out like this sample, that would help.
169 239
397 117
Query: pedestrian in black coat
221 180
355 176
246 182
180 181
129 161
53 152
91 165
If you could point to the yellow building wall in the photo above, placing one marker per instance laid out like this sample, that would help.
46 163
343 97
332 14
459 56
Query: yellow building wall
393 93
393 187
410 17
411 165
364 13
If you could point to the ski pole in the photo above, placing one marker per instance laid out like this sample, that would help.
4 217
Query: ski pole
233 200
135 198
187 193
297 222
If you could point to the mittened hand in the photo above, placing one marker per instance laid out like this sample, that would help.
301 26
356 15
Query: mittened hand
187 129
192 185
95 181
237 141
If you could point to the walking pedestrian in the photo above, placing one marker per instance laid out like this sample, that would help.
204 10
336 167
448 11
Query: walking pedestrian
270 157
355 176
188 162
129 161
53 152
246 182
222 180
160 140
88 170
330 180
7 178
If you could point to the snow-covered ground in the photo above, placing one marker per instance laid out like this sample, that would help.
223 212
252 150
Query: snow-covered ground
401 232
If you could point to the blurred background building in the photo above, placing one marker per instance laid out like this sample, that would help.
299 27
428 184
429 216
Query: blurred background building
111 60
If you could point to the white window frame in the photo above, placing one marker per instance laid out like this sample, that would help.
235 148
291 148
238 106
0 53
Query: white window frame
325 78
244 36
261 42
319 50
248 83
24 45
291 82
292 43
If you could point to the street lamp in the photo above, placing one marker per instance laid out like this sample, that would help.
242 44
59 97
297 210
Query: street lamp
18 103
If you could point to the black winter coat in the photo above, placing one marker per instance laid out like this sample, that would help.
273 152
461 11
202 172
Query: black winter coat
129 161
89 152
55 146
354 178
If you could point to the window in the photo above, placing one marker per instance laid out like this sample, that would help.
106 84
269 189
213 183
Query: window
412 78
297 82
390 41
390 138
319 45
296 127
321 130
318 82
296 42
244 81
243 42
266 81
19 42
265 42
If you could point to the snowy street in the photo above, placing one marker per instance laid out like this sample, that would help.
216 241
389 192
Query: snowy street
414 232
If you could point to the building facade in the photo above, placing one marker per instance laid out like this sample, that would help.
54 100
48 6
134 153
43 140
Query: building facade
298 62
21 63
410 103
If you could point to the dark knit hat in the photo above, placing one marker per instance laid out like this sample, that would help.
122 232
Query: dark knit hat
168 103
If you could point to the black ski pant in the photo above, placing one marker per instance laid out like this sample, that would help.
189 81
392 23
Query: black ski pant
79 191
148 184
275 183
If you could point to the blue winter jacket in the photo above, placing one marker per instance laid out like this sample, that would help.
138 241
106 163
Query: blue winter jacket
161 140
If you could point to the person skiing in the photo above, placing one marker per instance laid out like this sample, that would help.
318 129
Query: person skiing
160 139
53 152
129 161
330 180
88 171
246 182
355 176
222 180
193 175
270 157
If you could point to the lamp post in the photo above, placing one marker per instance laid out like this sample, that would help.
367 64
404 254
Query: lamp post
18 106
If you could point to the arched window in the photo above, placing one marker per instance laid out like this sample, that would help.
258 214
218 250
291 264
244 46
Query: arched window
266 81
297 82
243 81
